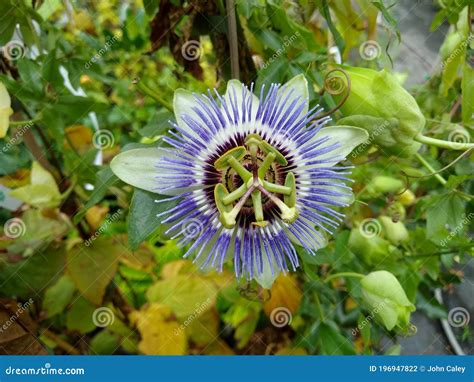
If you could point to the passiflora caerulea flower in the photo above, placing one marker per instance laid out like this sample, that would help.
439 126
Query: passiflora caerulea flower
257 175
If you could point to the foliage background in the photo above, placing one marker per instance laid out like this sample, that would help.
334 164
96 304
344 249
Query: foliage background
84 256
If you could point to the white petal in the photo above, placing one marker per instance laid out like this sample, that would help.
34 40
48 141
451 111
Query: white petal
183 102
299 87
233 92
348 137
266 279
138 167
5 101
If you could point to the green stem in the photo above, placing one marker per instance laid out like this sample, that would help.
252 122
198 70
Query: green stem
151 93
443 144
431 169
343 274
24 123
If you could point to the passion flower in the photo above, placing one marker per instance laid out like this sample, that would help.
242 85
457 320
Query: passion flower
258 175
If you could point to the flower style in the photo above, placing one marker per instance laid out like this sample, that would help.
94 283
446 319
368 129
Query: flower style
256 175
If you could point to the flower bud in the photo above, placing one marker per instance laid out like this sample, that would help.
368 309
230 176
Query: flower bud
371 248
379 104
384 185
386 299
395 232
407 198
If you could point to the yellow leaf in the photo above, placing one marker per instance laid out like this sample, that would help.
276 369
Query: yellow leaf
5 110
42 192
350 304
218 348
96 215
285 293
184 294
160 332
177 267
202 328
79 136
291 351
93 267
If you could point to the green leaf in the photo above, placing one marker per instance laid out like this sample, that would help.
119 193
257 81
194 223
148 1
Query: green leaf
30 73
392 22
158 124
58 296
104 343
444 211
429 305
93 267
51 69
467 85
105 178
332 342
79 316
29 277
39 232
143 220
332 27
